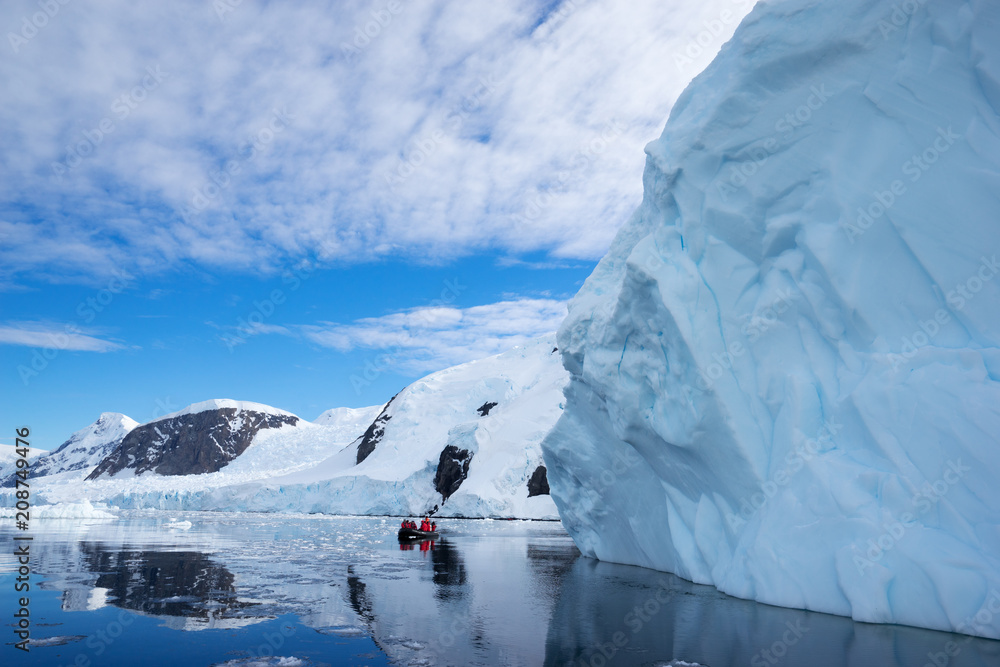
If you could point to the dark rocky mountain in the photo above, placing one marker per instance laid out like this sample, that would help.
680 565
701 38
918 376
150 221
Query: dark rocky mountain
192 442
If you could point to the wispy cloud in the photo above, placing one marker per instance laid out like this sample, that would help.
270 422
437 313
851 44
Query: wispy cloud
427 339
54 337
538 266
249 138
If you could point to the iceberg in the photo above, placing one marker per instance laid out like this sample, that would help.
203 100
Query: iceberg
784 373
79 510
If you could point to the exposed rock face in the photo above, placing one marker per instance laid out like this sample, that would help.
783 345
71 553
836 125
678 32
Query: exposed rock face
189 444
452 470
538 485
375 432
485 408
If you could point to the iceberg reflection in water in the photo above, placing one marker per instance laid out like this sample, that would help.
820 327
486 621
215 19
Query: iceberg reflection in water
489 592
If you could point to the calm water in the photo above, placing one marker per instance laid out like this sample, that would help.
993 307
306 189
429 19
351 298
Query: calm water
275 590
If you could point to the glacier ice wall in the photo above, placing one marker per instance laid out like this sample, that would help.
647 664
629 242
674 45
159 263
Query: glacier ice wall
785 370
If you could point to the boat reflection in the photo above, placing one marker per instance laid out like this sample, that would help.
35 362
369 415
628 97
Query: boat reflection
424 545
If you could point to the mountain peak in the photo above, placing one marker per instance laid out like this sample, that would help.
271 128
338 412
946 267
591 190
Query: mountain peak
226 403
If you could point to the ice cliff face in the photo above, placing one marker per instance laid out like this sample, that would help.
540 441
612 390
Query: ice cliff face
84 450
785 371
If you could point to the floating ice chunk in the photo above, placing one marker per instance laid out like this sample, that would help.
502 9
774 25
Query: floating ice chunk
80 510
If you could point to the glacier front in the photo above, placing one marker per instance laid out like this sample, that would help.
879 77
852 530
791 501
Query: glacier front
784 373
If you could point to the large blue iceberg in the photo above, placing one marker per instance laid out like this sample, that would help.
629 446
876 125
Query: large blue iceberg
785 371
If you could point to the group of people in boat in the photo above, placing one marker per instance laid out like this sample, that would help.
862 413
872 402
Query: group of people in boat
426 525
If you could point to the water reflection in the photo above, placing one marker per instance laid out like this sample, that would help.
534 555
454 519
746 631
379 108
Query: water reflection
450 575
165 583
501 593
550 564
618 615
423 545
357 596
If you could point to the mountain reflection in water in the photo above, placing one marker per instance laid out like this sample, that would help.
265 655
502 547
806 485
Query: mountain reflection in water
165 583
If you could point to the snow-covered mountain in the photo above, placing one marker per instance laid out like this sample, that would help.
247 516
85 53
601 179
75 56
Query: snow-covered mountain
291 445
786 371
203 437
84 450
8 458
460 442
348 417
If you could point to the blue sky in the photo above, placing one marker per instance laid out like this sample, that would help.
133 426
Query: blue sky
310 206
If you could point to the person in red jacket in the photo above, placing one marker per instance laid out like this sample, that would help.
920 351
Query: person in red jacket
434 526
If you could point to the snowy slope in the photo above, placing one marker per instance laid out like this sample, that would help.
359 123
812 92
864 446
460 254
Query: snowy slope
8 456
225 404
785 371
348 417
84 450
422 439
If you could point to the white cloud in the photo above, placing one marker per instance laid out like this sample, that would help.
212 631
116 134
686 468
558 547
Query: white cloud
432 338
53 337
459 126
